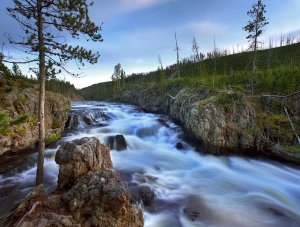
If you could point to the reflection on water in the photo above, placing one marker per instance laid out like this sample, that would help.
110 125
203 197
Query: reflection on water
191 189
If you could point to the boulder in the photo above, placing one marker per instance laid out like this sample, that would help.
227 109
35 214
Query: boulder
117 142
78 157
89 192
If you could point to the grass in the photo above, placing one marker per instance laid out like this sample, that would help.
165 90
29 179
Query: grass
293 149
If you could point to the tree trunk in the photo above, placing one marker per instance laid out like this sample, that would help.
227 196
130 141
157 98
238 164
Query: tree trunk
253 72
40 164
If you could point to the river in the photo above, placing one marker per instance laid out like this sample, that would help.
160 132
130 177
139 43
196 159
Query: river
191 188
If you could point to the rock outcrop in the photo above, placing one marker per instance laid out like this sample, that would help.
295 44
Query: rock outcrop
89 192
25 101
92 117
223 122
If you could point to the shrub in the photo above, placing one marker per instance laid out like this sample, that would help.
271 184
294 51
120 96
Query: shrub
4 123
8 88
52 138
20 120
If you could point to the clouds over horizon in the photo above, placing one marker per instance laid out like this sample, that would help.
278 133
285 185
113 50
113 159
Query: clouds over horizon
137 31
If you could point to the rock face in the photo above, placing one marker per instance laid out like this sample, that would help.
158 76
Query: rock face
25 101
89 192
223 122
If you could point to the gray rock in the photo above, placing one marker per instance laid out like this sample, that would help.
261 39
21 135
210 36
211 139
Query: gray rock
78 157
89 192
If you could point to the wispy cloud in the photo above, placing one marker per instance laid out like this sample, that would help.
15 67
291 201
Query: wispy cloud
205 27
130 5
110 9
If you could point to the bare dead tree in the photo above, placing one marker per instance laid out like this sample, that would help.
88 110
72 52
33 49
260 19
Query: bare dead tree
177 54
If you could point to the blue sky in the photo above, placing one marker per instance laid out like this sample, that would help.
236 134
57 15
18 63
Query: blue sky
135 32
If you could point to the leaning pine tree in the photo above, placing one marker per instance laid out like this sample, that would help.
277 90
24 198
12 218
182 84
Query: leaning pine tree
255 28
47 24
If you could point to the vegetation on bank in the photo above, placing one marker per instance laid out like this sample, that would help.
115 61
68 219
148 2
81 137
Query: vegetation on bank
278 72
15 78
7 124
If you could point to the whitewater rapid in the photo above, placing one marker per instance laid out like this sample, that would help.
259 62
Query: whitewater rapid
191 189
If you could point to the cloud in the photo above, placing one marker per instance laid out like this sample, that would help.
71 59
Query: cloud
205 28
129 5
111 9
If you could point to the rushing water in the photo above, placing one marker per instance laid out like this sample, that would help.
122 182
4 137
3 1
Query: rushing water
192 189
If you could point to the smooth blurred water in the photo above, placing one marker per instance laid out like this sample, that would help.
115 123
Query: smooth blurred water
192 189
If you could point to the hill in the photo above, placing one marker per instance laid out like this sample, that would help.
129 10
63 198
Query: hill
278 72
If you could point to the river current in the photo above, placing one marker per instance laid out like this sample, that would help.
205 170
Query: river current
191 188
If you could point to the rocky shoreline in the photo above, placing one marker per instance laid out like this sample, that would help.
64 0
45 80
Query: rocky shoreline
226 123
22 101
89 192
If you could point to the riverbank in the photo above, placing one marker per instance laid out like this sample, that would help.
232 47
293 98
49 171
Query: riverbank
22 103
224 122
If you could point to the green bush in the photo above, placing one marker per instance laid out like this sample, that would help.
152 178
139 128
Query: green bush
4 123
52 138
8 88
20 120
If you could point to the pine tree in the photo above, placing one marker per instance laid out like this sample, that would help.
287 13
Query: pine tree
44 23
255 29
16 70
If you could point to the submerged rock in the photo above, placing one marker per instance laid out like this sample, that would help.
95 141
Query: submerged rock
142 194
179 146
87 120
147 195
117 142
72 122
89 192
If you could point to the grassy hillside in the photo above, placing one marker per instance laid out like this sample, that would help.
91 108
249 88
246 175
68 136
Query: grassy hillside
278 71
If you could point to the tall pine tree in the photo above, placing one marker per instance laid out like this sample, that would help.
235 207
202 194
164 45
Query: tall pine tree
255 27
47 24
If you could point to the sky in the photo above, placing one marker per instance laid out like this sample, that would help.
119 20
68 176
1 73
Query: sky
135 32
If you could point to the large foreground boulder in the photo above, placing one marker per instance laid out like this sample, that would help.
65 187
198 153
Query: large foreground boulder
89 192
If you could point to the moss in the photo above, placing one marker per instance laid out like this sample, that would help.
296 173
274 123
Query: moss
55 124
20 130
8 88
4 123
68 109
276 126
293 148
22 100
33 121
224 99
52 138
240 89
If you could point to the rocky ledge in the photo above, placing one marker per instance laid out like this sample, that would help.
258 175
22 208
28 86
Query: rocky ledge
228 122
22 101
89 192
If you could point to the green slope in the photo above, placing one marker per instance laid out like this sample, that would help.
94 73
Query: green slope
278 71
